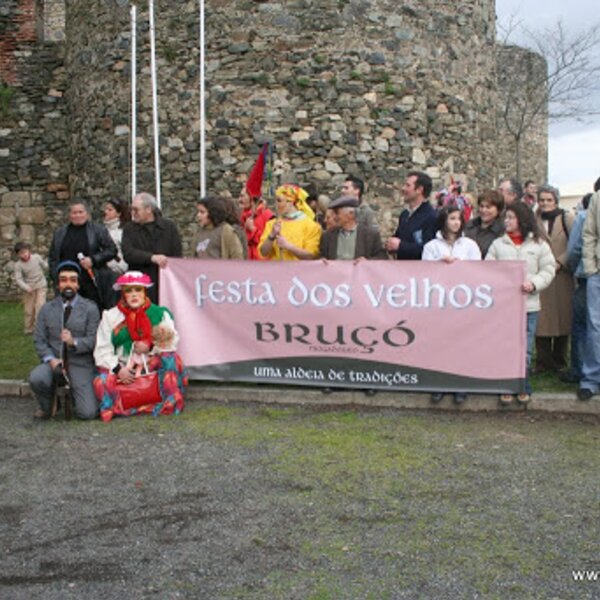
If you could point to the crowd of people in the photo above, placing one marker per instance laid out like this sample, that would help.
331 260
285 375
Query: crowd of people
105 327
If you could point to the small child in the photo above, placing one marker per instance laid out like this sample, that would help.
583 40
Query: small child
30 276
163 337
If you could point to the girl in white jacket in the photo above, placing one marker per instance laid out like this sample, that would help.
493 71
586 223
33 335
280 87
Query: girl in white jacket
451 245
522 242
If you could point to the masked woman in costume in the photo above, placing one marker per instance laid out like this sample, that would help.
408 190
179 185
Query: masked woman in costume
294 234
254 216
134 333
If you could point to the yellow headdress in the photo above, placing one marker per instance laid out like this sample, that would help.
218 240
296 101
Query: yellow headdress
298 196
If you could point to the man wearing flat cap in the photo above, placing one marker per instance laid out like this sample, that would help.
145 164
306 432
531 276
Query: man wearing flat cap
355 187
64 338
350 240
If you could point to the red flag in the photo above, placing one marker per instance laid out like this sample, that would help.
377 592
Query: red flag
255 179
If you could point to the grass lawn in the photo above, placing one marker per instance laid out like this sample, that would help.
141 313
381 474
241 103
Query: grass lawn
17 356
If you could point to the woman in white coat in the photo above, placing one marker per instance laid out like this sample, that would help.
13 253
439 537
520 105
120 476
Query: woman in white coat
450 245
522 241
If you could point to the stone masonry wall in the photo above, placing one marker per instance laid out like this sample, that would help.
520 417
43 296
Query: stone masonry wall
372 88
34 165
53 20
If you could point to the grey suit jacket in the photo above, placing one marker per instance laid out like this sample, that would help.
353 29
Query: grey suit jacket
368 244
83 324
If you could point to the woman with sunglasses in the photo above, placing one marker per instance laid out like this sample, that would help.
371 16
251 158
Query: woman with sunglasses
133 334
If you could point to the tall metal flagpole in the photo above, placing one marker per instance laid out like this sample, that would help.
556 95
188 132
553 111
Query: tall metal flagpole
133 101
202 107
154 103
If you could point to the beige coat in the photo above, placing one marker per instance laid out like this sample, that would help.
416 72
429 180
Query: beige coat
556 300
539 263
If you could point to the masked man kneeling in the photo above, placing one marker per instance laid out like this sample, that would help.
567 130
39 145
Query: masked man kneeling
64 339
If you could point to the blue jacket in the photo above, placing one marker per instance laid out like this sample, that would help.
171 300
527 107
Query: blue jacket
415 230
575 248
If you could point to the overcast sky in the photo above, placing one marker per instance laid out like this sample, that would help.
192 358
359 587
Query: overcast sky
574 148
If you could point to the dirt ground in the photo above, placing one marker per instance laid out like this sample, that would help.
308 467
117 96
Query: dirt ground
243 501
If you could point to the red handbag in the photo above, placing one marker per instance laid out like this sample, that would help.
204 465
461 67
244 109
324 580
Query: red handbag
144 390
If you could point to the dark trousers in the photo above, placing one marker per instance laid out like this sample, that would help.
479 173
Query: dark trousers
551 353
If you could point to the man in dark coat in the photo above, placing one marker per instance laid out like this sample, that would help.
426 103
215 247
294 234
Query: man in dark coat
88 244
417 223
350 239
149 239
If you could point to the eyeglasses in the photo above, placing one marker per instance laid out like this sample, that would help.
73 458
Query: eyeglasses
133 288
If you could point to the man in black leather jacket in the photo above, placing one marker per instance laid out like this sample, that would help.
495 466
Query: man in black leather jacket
89 244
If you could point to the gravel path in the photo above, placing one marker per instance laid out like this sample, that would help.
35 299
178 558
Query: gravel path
254 502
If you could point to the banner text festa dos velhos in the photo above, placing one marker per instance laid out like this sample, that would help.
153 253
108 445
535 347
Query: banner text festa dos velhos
395 325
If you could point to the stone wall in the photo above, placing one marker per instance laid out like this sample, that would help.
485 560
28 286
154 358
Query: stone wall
34 158
52 20
371 88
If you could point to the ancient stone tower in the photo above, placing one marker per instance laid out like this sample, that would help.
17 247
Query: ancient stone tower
373 88
370 88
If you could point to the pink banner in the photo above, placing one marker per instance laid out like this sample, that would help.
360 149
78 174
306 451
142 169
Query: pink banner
378 324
